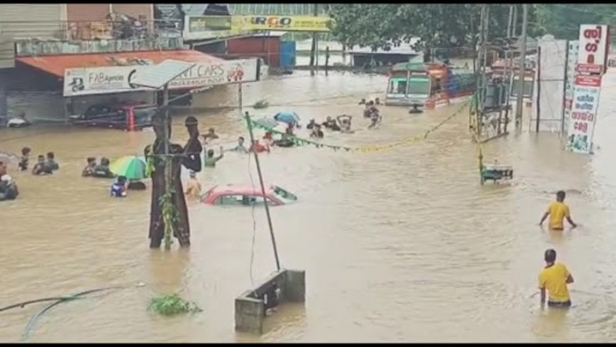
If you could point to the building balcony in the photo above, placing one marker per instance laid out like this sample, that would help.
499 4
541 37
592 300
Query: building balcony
52 38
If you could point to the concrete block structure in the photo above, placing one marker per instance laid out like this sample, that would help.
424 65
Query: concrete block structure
250 306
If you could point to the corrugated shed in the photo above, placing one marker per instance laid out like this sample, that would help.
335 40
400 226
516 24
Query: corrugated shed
56 64
23 21
267 48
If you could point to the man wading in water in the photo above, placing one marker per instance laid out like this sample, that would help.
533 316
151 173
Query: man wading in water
554 279
558 212
188 156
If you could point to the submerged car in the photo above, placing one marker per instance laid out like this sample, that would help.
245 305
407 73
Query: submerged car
130 117
247 195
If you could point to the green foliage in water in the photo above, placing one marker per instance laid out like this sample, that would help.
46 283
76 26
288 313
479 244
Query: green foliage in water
173 304
261 104
169 214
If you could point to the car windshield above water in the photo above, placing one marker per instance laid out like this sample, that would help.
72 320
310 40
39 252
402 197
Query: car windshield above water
247 195
144 114
283 194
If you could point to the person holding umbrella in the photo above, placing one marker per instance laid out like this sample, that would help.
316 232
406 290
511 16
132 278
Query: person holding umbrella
288 117
133 169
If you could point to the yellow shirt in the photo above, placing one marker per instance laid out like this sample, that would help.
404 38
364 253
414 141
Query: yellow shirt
193 188
554 280
558 212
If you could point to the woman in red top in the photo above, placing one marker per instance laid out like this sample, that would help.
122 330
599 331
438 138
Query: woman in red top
258 148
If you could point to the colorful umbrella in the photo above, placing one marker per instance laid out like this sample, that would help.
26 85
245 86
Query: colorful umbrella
131 167
288 117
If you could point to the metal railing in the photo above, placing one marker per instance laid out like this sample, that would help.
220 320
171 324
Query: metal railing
122 29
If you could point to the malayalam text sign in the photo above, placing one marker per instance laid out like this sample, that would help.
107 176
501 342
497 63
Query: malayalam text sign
593 49
284 23
572 59
117 79
584 108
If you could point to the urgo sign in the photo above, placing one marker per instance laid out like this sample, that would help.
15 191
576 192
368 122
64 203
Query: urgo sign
285 23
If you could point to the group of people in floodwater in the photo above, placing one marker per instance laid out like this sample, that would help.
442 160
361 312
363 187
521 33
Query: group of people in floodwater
45 165
343 123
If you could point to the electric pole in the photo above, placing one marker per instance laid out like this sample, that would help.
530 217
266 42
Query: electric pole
514 29
520 103
482 80
492 91
509 70
315 44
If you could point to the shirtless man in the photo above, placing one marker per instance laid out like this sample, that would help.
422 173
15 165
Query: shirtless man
211 135
345 123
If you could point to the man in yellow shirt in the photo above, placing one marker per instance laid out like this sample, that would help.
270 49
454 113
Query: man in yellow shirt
193 187
554 279
558 211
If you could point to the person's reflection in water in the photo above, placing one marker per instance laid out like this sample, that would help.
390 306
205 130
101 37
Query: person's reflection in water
168 269
552 324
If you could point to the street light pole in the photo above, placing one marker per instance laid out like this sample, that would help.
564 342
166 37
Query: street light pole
522 70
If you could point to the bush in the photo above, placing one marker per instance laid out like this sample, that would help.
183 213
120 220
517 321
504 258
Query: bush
173 304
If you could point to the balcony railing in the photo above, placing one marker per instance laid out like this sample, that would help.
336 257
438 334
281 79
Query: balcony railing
77 37
126 29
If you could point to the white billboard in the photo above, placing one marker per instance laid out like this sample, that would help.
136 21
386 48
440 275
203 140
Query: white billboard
118 79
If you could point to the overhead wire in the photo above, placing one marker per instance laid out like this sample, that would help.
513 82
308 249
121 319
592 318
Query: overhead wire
254 222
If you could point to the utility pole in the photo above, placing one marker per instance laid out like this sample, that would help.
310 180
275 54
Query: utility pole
313 49
510 24
515 21
509 70
260 174
482 80
491 91
520 103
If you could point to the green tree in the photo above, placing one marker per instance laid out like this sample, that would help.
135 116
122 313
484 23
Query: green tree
366 25
436 25
564 20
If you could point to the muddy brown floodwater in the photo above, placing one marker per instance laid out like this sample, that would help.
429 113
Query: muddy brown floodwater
398 245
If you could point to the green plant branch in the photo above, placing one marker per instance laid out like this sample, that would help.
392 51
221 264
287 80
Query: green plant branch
173 304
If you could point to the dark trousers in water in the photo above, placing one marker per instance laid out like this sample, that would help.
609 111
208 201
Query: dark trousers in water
560 304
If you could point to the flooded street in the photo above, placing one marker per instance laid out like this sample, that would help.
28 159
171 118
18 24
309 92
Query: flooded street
398 245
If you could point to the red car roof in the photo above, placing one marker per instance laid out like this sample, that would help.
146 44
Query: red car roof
246 189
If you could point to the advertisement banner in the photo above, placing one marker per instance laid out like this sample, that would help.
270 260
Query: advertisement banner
283 23
586 91
211 27
117 79
572 59
593 49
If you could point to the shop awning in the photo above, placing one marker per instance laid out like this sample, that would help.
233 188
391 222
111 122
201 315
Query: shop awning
56 64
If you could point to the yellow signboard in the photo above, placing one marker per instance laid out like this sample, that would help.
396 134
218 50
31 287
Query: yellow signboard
282 23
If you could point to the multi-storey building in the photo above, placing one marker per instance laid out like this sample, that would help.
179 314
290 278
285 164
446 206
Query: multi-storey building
52 39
